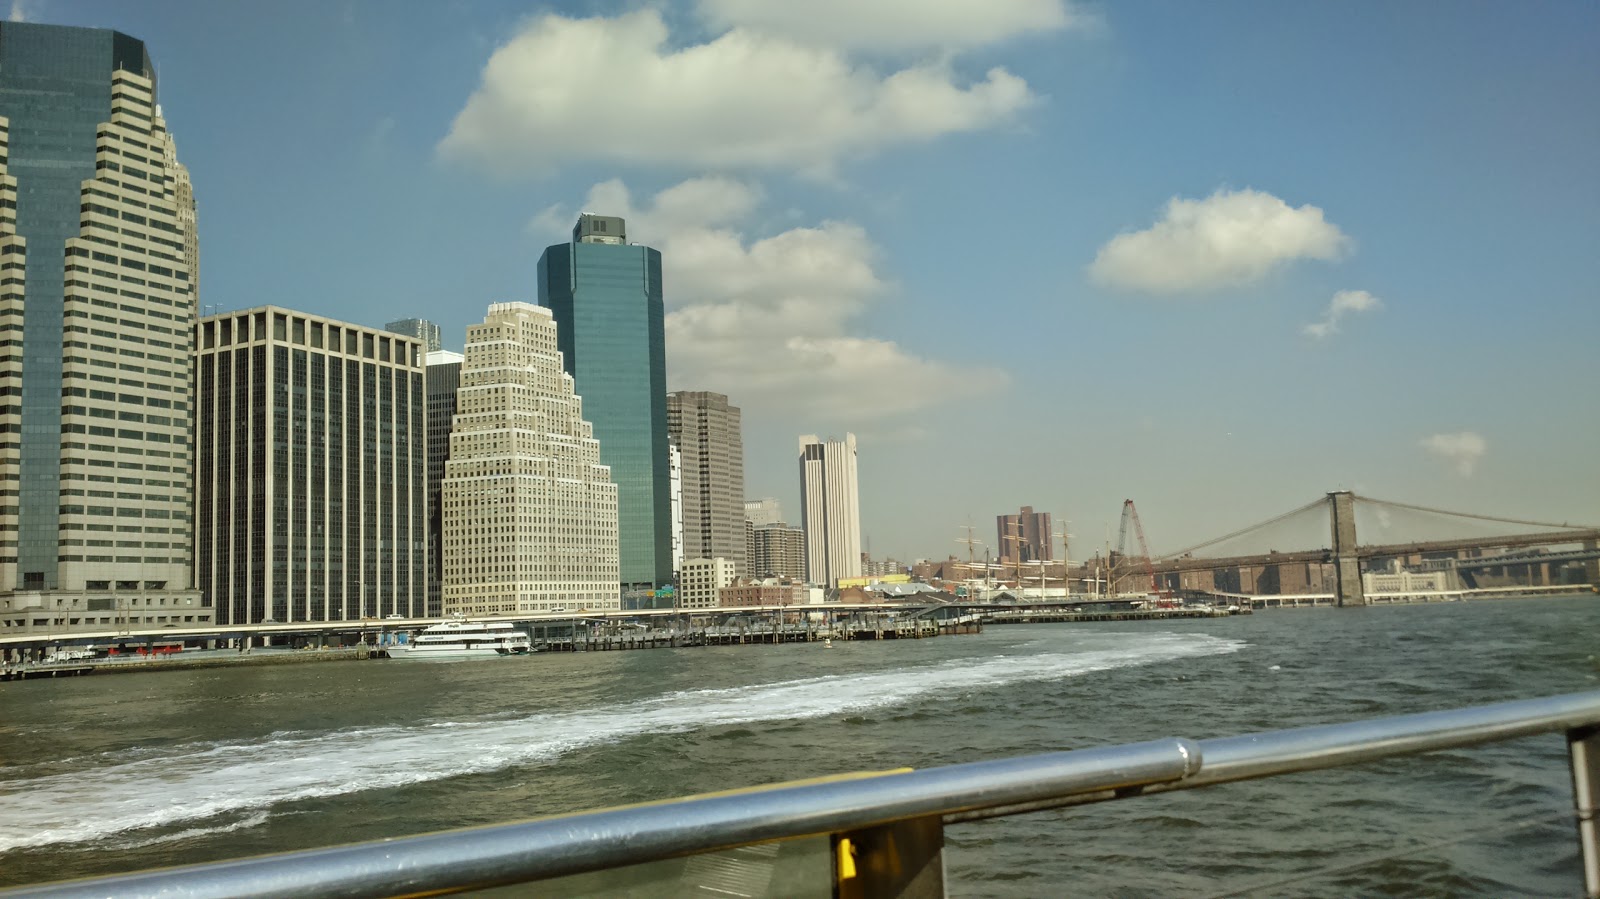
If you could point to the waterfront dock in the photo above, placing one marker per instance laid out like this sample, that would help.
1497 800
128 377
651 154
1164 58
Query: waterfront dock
185 661
1064 615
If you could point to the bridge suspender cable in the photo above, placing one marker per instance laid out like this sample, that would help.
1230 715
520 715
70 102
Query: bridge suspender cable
1537 524
1319 501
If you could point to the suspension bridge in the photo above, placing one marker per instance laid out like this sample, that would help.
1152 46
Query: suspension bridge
1409 537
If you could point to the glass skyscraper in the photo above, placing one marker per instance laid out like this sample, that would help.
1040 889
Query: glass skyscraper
607 302
98 297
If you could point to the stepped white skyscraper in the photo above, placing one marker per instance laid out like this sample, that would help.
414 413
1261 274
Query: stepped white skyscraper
528 513
97 239
830 509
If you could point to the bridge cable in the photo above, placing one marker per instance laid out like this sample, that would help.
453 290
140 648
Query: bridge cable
1255 527
1415 508
1540 820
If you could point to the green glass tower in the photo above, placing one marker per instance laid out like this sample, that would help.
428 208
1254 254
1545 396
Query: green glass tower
606 298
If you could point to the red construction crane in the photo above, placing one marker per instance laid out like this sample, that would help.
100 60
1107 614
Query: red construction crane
1129 512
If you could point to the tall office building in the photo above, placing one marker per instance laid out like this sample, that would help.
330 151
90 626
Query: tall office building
529 511
707 430
1024 537
98 245
311 449
607 301
420 328
675 491
444 376
830 509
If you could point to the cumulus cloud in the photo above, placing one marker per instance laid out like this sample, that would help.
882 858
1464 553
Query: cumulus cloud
1461 449
1345 302
774 320
892 25
615 90
1227 239
19 10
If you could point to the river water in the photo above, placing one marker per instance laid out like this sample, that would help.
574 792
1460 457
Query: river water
113 773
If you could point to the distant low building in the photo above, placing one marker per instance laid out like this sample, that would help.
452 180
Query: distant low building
1403 581
764 592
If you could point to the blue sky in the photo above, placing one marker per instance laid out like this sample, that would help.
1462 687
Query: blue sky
886 218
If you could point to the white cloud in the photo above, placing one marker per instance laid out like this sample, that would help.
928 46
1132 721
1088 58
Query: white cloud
774 321
892 25
19 10
1229 238
1462 449
1345 302
616 91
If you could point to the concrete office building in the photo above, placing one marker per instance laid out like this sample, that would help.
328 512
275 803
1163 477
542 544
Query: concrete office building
310 452
763 511
420 328
701 579
529 513
778 550
444 376
98 246
830 509
708 432
1024 537
675 491
607 301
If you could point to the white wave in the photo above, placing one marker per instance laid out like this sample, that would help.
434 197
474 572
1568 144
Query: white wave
241 824
199 781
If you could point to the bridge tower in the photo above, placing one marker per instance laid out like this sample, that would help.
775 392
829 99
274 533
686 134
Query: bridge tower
1347 589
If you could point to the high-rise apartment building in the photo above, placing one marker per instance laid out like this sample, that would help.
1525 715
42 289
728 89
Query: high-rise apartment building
311 461
98 245
607 301
708 431
1024 537
529 512
420 328
830 509
444 376
778 550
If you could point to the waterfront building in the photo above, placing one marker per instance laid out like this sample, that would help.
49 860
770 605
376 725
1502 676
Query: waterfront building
607 300
675 490
528 512
701 579
311 455
708 432
443 377
771 591
763 511
98 244
1024 537
420 328
830 508
778 550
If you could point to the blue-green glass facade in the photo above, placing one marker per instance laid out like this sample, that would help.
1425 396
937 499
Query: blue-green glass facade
607 303
55 88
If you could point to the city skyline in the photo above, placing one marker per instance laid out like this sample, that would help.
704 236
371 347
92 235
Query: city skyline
1434 204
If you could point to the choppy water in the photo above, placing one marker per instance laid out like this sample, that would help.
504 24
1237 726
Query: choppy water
114 773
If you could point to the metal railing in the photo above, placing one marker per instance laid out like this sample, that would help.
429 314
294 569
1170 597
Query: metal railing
884 829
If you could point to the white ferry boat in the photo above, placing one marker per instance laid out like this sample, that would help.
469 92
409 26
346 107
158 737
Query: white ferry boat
461 639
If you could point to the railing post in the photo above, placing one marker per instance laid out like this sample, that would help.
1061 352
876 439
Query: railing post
1583 748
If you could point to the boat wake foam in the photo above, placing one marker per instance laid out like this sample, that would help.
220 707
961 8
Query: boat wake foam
197 781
